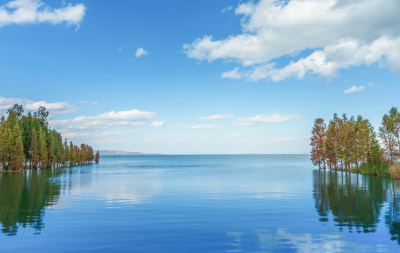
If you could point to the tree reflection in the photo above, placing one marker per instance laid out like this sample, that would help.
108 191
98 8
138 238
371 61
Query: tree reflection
392 216
23 197
354 201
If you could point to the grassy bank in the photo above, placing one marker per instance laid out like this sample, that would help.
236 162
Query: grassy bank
381 169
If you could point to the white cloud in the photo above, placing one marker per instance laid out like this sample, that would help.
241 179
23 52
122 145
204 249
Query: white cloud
226 9
203 127
54 109
217 117
97 134
233 74
233 136
87 102
266 119
140 52
354 89
289 139
35 11
109 119
340 34
164 139
6 103
157 123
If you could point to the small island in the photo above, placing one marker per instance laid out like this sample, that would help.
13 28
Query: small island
351 144
27 141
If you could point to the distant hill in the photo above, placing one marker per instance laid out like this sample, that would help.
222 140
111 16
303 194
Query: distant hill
117 152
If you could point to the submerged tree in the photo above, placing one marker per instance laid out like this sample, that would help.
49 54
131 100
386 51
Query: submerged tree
390 135
317 143
26 141
97 157
345 143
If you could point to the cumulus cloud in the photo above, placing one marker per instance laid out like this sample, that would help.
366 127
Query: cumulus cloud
109 119
354 89
266 119
140 52
6 103
54 109
35 11
217 117
340 34
157 123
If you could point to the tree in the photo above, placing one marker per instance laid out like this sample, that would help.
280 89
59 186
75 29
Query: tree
41 147
43 155
51 147
97 157
42 115
317 143
331 143
15 146
72 154
389 132
17 109
35 157
26 131
4 152
344 143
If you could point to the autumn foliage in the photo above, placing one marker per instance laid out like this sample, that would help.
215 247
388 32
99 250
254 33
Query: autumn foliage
351 144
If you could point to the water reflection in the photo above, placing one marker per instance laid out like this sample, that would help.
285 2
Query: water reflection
24 196
392 216
356 201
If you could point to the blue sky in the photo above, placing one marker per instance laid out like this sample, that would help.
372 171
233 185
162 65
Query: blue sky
147 75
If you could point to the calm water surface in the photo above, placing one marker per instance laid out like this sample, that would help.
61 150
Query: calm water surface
243 203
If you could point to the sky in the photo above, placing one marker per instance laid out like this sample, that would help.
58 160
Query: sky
199 77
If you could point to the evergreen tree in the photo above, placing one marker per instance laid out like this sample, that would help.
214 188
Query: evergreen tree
14 143
4 152
35 158
43 155
72 154
28 139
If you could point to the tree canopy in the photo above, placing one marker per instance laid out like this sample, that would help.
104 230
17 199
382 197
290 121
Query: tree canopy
27 141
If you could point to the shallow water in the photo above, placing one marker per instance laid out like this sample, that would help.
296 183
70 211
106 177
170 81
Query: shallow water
232 203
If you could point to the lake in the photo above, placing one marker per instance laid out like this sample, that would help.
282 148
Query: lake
199 203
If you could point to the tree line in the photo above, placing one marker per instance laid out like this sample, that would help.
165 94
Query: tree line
27 141
351 144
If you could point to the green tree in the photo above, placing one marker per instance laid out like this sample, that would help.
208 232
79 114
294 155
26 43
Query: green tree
14 143
389 132
35 157
43 155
